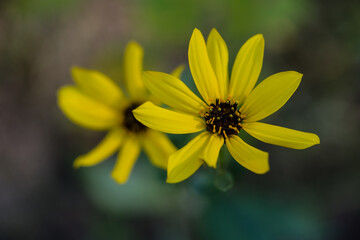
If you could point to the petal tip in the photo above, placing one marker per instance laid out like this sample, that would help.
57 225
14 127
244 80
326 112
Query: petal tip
260 35
213 166
266 167
214 31
77 164
258 38
118 179
76 70
134 48
297 74
196 33
133 43
262 172
62 92
168 180
316 140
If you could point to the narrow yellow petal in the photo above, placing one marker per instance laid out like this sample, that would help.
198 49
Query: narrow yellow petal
184 162
158 148
133 70
102 151
98 86
249 157
281 136
270 95
201 69
212 149
85 111
126 160
178 71
219 59
165 120
173 92
247 67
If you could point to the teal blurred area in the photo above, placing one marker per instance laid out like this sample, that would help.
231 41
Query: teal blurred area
308 194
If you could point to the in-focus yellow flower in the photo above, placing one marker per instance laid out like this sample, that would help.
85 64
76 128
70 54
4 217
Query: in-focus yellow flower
227 109
97 103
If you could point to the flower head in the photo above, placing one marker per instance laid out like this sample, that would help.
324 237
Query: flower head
97 103
229 107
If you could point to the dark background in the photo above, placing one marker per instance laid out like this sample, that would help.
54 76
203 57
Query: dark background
308 194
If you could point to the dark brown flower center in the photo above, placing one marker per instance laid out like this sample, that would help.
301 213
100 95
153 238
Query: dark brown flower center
223 118
130 122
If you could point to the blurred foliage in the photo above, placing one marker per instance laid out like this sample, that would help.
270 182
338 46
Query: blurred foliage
39 9
307 194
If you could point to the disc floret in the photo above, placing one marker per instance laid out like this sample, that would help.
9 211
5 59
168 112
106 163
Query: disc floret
223 118
130 123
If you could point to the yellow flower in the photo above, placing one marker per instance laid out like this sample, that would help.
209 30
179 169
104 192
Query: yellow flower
97 103
227 109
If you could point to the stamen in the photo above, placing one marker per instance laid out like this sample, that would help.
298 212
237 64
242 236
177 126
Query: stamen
225 134
234 128
223 118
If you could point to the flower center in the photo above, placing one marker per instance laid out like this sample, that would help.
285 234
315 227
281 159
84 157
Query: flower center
130 122
223 118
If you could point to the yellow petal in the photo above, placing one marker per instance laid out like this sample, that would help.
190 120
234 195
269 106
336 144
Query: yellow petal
173 92
281 136
165 120
102 151
178 71
212 149
201 69
158 148
133 70
126 160
85 111
249 157
184 162
219 58
98 86
247 67
270 95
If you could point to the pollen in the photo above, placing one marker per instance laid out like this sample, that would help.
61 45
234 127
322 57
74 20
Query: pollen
223 118
130 123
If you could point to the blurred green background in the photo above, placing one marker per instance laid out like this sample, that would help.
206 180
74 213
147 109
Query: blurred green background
308 194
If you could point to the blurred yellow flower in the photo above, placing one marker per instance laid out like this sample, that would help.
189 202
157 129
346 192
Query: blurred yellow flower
97 103
228 107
